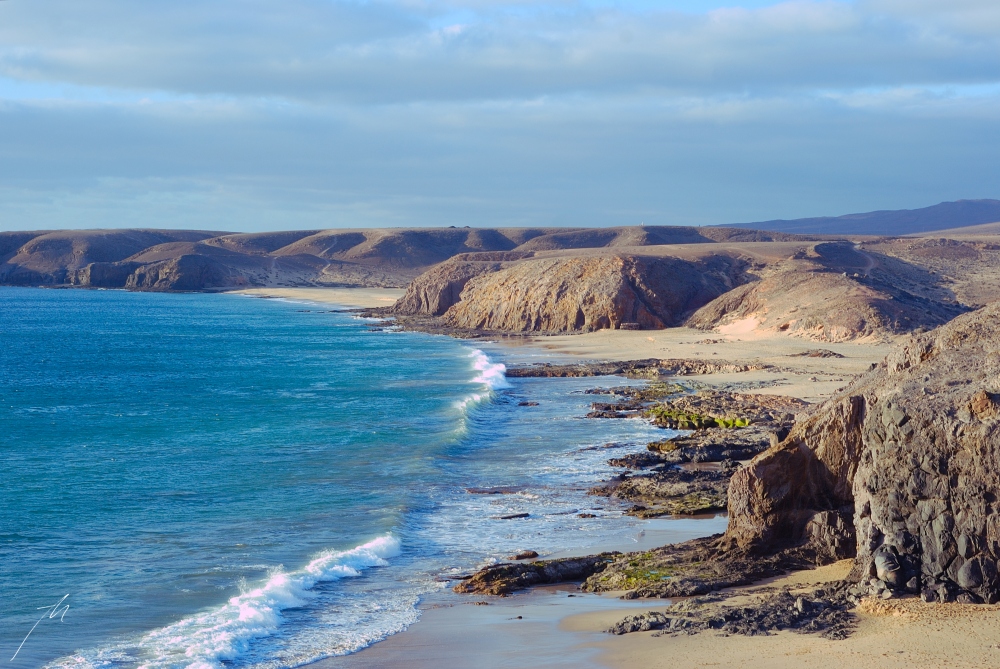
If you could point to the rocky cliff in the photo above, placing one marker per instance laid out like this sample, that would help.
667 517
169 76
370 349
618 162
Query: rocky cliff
440 288
581 294
907 460
826 291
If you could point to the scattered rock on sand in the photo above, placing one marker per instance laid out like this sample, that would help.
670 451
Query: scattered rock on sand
816 353
524 555
650 368
824 611
503 579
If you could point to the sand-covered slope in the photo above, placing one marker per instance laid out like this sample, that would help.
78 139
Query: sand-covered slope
833 292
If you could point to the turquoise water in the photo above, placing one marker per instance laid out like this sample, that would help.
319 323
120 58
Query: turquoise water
215 480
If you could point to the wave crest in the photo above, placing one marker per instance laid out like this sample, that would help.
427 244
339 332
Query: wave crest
490 374
207 640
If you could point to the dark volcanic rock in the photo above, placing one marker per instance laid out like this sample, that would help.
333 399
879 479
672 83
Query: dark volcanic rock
642 369
696 567
672 491
637 460
772 411
911 451
824 612
503 579
714 445
524 555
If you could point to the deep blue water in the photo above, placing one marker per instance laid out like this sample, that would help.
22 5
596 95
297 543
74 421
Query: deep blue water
216 480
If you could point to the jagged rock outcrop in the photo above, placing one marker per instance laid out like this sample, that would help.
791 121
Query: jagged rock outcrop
907 459
505 578
583 294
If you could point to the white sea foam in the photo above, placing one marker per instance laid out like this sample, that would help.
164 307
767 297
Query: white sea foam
490 376
206 640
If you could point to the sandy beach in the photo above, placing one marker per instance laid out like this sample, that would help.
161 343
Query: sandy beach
362 298
796 375
899 633
559 626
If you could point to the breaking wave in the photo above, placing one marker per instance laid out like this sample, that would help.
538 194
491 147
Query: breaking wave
490 376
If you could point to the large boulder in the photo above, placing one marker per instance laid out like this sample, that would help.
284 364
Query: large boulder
907 459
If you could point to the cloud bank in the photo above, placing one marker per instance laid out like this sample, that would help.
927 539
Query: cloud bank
248 115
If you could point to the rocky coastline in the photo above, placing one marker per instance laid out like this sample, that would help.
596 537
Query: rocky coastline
896 473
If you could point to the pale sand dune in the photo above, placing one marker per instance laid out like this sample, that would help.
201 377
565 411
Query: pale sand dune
347 297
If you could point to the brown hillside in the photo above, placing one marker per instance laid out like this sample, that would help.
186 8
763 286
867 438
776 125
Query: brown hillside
367 257
584 294
832 292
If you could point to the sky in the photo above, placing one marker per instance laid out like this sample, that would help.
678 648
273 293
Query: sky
245 115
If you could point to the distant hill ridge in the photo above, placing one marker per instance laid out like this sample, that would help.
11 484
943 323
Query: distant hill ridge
202 260
943 216
835 286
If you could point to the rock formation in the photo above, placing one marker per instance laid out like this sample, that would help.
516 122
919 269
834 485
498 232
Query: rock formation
907 459
470 281
590 293
438 289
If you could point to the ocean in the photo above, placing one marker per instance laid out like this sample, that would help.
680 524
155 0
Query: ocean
218 480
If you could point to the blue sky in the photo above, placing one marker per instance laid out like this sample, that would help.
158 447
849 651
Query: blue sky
253 115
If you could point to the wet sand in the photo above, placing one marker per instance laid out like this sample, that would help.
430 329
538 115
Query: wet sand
523 630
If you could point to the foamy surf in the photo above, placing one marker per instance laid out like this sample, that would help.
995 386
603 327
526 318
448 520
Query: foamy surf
210 639
490 376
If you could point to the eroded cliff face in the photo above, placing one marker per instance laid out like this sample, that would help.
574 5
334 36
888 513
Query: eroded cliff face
438 289
583 294
907 460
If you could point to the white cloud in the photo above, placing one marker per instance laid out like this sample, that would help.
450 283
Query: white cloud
245 114
394 52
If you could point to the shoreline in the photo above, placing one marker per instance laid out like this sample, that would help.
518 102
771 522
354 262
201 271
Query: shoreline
561 626
574 625
525 629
